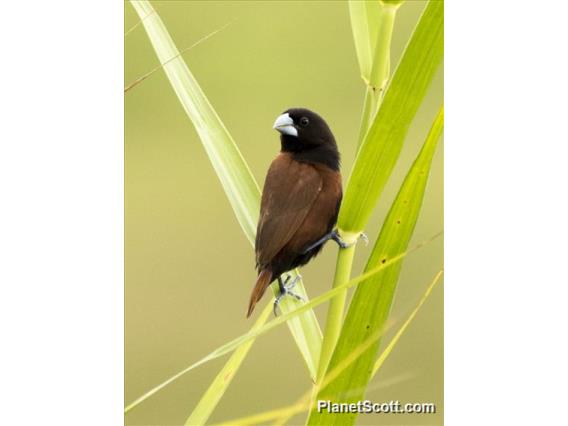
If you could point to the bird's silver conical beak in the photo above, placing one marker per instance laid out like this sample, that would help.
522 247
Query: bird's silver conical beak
285 125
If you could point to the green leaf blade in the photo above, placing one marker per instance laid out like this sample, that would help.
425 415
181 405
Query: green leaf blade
370 306
233 172
383 142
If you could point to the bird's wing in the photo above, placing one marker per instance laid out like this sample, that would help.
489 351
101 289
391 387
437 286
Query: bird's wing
289 192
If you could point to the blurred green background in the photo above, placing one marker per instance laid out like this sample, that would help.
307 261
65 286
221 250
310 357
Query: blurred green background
189 269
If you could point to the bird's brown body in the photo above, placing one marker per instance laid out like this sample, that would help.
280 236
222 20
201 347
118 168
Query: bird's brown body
300 203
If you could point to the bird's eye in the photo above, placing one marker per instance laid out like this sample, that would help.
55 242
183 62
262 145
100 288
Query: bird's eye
304 121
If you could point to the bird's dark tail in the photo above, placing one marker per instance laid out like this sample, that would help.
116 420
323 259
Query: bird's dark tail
262 282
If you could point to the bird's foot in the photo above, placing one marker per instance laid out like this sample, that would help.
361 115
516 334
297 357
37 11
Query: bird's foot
286 289
335 237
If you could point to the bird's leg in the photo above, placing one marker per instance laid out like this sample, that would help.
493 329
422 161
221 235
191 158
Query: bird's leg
286 289
319 242
334 235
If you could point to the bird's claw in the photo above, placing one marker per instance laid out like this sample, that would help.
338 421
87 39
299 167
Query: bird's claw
335 236
286 289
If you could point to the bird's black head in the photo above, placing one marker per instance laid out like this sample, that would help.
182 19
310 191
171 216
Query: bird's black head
307 135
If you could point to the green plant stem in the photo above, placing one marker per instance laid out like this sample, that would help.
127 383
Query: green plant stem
373 95
336 308
381 67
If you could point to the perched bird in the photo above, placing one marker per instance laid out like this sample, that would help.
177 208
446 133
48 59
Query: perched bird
300 201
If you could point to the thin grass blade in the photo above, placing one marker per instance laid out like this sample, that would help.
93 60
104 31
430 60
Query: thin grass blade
370 306
253 334
212 396
283 414
140 79
387 351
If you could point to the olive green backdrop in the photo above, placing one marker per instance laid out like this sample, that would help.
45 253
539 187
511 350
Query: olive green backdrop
189 269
